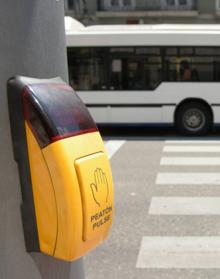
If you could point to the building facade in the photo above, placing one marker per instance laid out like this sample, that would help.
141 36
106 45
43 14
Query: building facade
143 11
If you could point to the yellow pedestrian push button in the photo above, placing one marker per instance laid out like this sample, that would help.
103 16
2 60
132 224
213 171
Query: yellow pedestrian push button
65 176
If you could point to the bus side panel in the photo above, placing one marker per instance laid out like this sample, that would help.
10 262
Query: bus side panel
100 114
168 114
216 114
136 114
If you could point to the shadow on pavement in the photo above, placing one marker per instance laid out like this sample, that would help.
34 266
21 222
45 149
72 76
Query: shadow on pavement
150 133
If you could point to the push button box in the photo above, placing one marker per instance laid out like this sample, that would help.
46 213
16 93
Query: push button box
66 181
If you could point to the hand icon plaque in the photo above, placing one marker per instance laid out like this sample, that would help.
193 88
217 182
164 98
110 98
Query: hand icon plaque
99 188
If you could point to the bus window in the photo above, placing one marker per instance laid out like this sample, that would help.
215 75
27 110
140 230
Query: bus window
207 51
171 69
116 74
135 75
204 67
217 69
171 51
153 72
192 64
149 51
135 68
185 73
183 51
87 68
178 69
140 68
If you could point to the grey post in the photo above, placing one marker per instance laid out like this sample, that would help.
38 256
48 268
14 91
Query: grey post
32 43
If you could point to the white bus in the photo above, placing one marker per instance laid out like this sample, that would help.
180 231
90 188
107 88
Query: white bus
151 74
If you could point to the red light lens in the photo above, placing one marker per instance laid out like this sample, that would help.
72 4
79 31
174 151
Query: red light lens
54 112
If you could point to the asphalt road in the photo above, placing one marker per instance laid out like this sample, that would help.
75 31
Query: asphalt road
167 199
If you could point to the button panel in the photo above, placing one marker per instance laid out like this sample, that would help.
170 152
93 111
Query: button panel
96 186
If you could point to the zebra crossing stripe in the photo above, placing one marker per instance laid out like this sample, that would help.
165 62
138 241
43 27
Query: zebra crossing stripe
113 146
191 149
185 206
179 252
190 161
184 178
211 142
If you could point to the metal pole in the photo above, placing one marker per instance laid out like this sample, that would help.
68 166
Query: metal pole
32 43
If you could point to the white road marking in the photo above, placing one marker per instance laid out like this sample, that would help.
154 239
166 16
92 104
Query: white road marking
182 148
185 206
188 178
193 142
179 252
112 146
133 194
190 161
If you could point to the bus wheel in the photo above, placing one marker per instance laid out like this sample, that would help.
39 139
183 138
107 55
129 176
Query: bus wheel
194 119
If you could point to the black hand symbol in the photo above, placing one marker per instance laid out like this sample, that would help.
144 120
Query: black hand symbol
100 187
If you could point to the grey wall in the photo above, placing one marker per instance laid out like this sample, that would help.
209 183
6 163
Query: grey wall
32 43
148 4
92 6
206 6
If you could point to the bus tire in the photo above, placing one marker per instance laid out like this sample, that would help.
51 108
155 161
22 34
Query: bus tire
193 119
